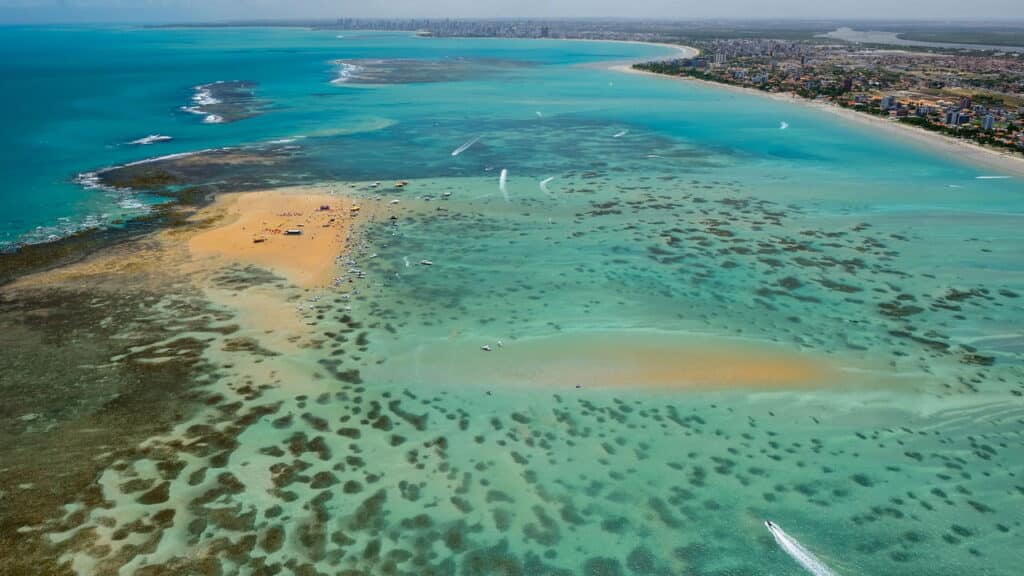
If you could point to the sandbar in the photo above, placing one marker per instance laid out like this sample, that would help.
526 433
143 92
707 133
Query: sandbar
253 229
624 359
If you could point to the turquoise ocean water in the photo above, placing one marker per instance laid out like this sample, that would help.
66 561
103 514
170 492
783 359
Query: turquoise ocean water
642 221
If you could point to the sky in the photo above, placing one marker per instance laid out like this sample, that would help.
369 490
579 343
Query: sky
13 11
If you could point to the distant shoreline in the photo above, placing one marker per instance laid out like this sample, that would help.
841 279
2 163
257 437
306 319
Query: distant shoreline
683 52
961 149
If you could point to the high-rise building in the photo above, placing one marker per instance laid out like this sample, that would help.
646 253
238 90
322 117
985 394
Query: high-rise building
988 122
888 102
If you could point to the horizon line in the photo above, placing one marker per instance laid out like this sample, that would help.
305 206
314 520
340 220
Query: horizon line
300 21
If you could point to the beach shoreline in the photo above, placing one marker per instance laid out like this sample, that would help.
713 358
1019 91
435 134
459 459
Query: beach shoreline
627 64
961 149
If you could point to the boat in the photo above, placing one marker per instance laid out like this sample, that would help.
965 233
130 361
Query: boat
293 232
426 262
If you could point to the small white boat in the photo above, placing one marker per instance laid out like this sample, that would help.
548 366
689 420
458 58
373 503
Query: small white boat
486 348
426 262
293 232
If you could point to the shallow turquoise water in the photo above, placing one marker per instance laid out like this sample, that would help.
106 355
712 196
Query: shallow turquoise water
68 115
676 214
79 95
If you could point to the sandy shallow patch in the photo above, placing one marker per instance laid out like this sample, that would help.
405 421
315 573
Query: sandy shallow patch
254 230
624 359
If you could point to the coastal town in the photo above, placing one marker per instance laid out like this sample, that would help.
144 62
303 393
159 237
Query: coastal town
970 92
978 96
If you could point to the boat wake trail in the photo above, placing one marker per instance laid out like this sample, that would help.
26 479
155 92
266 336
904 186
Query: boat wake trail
501 184
151 139
801 555
465 146
621 134
783 125
544 185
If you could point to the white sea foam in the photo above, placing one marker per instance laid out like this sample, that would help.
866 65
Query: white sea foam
164 157
91 181
783 125
501 184
123 204
347 72
204 97
797 552
131 203
465 146
991 177
151 139
201 102
621 134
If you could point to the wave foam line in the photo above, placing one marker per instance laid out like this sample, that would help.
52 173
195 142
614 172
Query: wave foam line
91 180
801 555
465 146
347 72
